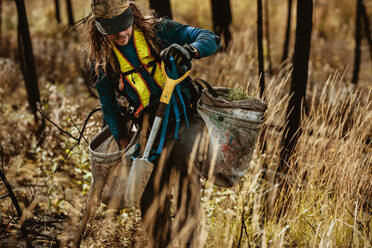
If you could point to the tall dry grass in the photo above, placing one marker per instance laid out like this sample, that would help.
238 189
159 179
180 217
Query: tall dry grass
329 177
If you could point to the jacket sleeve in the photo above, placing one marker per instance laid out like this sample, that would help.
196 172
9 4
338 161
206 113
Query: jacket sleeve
110 109
205 41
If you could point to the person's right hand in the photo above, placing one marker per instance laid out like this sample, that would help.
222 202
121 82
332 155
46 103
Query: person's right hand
182 54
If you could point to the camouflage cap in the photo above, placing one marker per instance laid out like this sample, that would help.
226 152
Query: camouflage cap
112 16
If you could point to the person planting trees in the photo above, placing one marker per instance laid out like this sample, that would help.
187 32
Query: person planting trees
126 48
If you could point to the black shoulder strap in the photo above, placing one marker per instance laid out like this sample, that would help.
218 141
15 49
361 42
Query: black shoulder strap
202 84
113 76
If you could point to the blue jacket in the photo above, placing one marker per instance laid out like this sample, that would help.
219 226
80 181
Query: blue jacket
168 32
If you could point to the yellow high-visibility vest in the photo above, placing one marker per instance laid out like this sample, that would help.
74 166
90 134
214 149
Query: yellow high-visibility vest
135 79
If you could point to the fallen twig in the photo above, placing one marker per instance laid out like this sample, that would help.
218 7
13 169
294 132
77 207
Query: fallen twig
8 186
360 225
312 227
243 228
13 197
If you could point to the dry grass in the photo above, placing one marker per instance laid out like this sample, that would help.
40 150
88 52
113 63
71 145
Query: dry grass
329 198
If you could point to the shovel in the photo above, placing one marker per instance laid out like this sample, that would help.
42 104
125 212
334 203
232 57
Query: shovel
141 167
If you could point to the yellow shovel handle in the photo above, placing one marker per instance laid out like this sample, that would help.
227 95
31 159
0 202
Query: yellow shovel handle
170 84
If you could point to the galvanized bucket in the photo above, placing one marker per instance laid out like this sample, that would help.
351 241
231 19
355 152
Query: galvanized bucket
233 128
111 166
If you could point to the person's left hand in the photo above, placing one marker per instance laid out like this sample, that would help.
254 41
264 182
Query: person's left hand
182 54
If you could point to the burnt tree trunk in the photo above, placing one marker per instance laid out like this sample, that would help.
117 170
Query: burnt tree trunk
367 31
261 63
162 8
58 11
287 32
267 35
358 41
1 19
70 13
222 19
298 82
27 58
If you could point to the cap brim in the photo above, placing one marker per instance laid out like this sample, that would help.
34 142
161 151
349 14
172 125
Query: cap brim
116 24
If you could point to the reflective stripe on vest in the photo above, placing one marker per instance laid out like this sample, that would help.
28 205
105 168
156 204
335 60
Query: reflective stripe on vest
135 79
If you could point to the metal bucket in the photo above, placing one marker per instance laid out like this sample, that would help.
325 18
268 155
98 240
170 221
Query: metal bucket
233 128
111 166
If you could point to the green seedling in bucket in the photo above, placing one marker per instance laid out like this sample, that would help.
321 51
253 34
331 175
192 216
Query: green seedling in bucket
237 94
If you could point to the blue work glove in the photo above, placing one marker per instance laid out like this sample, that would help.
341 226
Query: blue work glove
182 54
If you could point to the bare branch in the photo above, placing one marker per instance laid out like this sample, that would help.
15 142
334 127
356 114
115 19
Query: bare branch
73 123
54 124
78 139
4 196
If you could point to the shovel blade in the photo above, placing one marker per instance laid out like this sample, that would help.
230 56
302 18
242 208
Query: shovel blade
138 178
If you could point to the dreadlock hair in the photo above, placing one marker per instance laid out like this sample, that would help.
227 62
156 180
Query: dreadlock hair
99 47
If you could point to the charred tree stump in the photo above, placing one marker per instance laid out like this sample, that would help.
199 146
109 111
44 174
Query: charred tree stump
222 19
70 13
261 63
292 130
267 35
1 19
367 31
287 32
358 41
27 59
162 8
58 11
